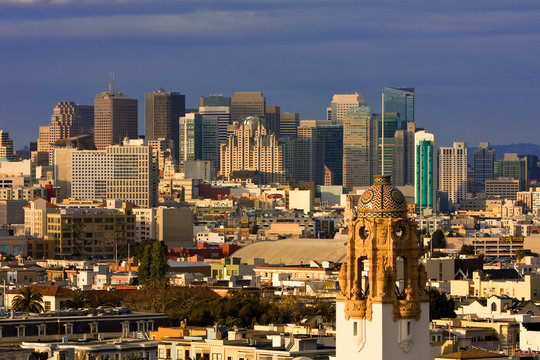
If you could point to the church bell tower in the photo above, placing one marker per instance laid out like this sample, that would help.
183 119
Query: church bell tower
382 311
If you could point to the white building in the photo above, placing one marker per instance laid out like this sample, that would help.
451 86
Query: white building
300 199
453 171
35 217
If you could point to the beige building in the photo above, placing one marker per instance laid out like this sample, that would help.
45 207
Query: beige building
35 217
6 147
115 118
62 172
65 123
340 105
360 147
244 104
251 149
43 144
162 149
453 171
173 226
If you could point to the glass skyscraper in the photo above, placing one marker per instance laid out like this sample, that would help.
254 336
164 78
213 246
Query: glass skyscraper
484 160
332 137
425 182
400 101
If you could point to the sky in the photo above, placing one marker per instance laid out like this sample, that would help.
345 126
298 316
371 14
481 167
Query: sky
474 64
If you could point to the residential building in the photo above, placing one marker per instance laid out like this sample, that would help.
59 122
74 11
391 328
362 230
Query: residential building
115 118
244 104
453 171
360 147
11 211
426 179
172 226
527 288
341 103
252 151
162 111
400 101
484 160
35 217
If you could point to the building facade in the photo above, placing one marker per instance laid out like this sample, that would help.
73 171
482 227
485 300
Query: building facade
453 171
245 104
484 160
426 179
341 103
400 101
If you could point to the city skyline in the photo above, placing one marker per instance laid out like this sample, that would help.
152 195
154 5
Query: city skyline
471 67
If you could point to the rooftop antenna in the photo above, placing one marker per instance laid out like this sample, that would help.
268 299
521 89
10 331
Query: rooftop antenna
382 121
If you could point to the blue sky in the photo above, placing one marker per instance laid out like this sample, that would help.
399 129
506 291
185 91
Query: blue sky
474 64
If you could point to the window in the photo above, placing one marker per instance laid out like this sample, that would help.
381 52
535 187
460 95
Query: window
21 331
408 328
161 353
93 328
168 352
68 329
493 307
355 328
42 329
179 353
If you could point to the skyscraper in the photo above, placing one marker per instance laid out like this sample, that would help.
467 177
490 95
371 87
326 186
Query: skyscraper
332 137
341 103
273 119
65 123
512 166
484 160
244 104
87 119
400 101
6 147
162 111
453 171
403 155
360 147
425 185
308 154
288 124
115 118
390 126
218 107
190 130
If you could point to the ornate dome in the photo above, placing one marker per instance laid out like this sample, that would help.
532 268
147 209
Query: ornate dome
381 199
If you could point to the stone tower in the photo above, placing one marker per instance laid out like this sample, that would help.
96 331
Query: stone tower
382 311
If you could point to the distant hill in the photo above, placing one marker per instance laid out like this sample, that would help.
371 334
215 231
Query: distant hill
522 149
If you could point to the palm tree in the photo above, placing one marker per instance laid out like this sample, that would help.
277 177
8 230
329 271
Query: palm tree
27 300
97 300
76 301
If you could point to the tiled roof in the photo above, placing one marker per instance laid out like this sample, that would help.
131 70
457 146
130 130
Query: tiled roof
48 290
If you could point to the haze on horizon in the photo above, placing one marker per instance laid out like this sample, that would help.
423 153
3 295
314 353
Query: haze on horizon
473 64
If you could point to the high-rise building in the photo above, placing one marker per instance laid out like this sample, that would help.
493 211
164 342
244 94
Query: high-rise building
390 127
190 129
250 149
244 104
512 166
453 171
115 118
87 119
65 123
484 160
43 146
120 172
403 155
426 179
341 103
162 111
308 154
6 147
218 107
332 137
273 119
400 101
360 147
382 311
163 149
288 124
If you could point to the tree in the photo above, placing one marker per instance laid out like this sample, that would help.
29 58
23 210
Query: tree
440 306
467 249
153 266
76 301
519 254
439 242
98 300
28 300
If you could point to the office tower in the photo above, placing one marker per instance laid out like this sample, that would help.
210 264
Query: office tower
426 179
403 155
6 147
390 127
341 103
65 123
453 171
162 149
484 160
162 110
250 149
382 310
120 172
512 166
308 154
400 101
218 107
244 104
288 124
210 142
190 144
43 146
115 118
360 147
273 119
332 137
532 167
87 119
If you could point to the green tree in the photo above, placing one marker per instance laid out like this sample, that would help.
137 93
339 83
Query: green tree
467 249
440 306
76 301
98 300
439 242
27 300
153 266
